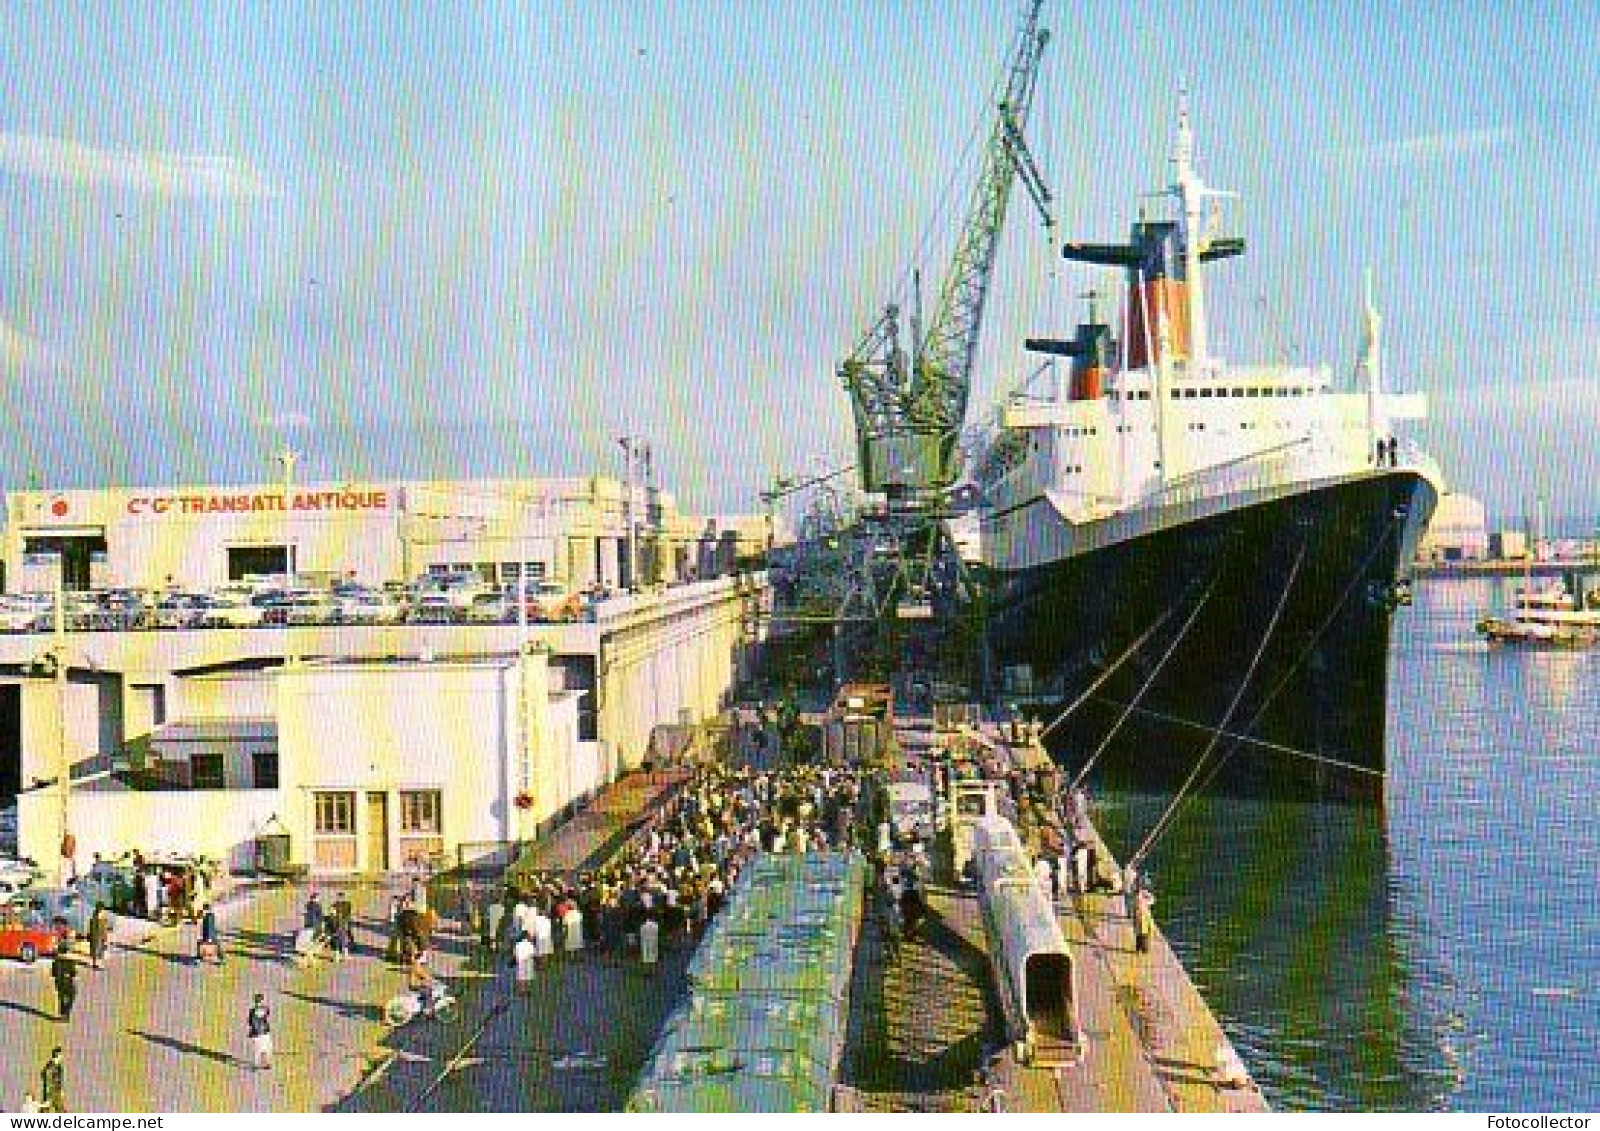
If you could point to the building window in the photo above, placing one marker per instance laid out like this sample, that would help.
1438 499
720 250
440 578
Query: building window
419 811
264 768
245 562
205 771
334 814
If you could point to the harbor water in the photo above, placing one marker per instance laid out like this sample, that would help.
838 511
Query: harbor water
1440 955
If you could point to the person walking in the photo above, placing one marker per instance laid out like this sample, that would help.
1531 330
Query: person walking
397 904
152 895
314 915
650 941
344 917
209 944
99 934
64 973
572 928
522 956
52 1083
543 934
258 1031
1081 866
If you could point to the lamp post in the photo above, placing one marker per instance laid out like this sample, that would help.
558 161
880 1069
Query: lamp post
631 446
67 864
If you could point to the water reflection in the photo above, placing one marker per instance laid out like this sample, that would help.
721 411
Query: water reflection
1283 915
1441 953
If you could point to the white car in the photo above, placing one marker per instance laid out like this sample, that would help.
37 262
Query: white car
180 610
229 611
489 608
369 607
21 618
309 606
14 876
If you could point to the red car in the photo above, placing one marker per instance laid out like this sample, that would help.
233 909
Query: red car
25 940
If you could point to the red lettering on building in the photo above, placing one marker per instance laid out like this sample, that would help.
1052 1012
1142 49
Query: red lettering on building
246 503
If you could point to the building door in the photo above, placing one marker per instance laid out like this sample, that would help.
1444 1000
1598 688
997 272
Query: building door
377 832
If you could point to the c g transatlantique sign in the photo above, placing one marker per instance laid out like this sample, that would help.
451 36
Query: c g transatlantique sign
247 503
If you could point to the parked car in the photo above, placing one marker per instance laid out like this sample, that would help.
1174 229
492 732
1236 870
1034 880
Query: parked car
489 608
309 606
52 905
22 612
180 610
445 598
369 606
229 611
554 601
12 883
14 869
125 609
24 937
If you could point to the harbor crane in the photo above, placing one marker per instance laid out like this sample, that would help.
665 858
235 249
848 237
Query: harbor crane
909 407
909 412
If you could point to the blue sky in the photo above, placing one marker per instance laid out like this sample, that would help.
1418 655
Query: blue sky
475 239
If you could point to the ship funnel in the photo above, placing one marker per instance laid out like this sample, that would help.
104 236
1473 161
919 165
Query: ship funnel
1158 287
1091 351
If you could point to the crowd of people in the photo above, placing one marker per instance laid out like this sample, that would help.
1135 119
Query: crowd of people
675 873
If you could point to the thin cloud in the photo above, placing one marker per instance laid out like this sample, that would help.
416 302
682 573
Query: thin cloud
1426 148
148 171
19 351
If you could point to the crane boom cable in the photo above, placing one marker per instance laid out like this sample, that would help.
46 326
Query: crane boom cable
909 415
944 208
941 384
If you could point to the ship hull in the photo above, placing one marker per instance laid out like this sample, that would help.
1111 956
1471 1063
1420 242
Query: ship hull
1253 640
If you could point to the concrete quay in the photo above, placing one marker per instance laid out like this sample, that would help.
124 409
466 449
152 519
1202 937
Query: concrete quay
1152 1041
156 1031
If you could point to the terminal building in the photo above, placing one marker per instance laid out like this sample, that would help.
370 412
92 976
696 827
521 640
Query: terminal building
584 532
374 746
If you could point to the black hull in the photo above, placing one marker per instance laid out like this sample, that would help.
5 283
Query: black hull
1295 628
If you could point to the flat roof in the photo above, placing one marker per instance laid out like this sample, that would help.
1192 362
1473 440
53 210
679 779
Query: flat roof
244 728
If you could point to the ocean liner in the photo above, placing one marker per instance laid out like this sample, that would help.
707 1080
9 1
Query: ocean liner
1198 561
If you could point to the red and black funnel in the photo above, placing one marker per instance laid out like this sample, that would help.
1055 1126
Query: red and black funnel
1157 282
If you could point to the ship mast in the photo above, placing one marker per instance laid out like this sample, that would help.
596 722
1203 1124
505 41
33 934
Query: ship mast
1372 363
1190 191
1198 243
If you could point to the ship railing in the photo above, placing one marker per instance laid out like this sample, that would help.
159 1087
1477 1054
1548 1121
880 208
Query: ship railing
1412 456
1247 473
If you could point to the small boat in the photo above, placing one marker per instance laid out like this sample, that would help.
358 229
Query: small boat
1551 617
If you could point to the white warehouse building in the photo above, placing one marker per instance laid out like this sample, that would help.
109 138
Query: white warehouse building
195 537
1459 531
371 744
